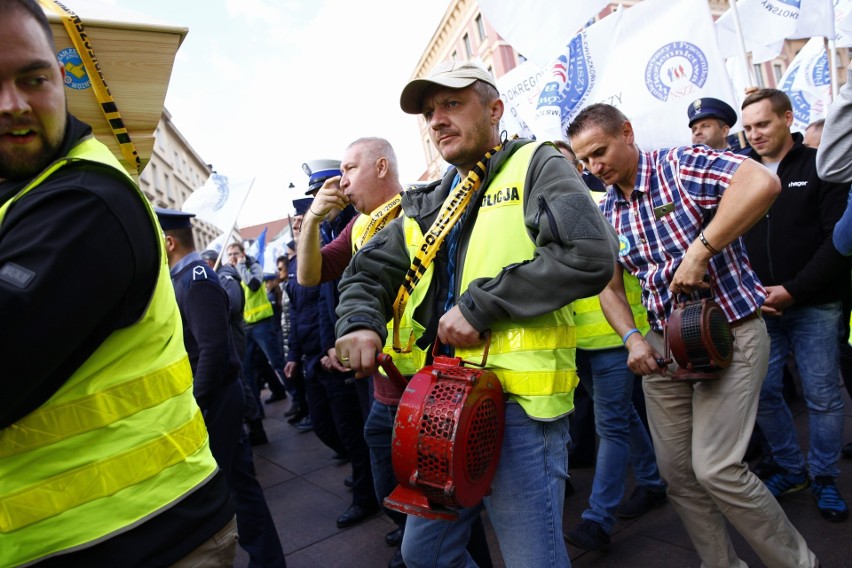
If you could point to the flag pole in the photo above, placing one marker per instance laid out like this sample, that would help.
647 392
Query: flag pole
833 63
233 224
750 80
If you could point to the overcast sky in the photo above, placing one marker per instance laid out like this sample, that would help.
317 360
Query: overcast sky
261 86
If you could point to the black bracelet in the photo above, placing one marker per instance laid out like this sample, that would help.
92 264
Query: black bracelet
706 244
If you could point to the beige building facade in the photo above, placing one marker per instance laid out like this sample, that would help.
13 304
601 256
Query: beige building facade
173 172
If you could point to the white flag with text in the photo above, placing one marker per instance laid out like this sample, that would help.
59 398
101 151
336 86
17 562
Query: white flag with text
673 60
519 89
808 84
766 24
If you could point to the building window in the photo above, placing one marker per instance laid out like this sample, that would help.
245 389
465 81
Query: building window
155 182
158 135
455 56
777 71
167 186
521 59
480 27
758 75
467 48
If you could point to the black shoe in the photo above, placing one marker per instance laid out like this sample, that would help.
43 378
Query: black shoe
642 500
298 416
394 538
296 408
588 535
348 481
340 457
847 451
396 561
276 397
355 514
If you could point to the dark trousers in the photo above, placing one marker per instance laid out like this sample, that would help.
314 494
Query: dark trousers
335 409
229 445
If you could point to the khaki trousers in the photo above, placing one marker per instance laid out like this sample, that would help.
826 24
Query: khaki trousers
700 433
218 552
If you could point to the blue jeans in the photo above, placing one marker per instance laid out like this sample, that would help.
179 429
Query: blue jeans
528 491
811 333
623 438
525 505
378 433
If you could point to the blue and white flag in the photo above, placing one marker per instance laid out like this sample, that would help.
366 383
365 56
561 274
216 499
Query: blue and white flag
258 247
808 84
766 24
276 248
651 61
538 29
217 202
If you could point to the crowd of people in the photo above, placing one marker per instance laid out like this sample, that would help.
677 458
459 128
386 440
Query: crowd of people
134 428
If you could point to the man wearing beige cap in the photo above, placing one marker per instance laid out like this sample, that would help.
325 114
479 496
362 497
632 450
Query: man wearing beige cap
516 238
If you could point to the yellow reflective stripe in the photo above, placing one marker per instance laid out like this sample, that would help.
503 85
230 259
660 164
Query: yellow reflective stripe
52 424
547 407
537 383
530 338
101 478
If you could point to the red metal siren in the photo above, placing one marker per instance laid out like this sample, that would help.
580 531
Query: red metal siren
699 338
446 438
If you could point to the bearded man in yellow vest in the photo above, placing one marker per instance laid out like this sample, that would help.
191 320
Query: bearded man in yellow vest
529 241
104 456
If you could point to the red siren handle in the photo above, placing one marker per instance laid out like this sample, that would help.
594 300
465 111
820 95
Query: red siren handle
385 361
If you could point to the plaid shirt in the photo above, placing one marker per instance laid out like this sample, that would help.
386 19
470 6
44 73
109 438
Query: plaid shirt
675 197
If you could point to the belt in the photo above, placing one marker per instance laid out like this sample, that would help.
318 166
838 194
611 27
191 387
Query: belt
757 314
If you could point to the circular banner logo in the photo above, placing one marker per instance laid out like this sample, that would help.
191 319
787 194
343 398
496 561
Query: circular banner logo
75 72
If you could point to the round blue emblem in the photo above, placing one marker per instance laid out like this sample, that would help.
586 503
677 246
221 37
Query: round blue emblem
675 70
623 245
75 73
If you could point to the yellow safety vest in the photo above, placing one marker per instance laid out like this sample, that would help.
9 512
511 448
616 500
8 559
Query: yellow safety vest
593 331
411 362
119 442
533 358
257 306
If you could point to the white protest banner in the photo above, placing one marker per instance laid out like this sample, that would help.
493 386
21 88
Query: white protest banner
673 60
843 23
766 23
808 84
519 90
537 29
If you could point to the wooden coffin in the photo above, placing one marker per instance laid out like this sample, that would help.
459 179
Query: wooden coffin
135 55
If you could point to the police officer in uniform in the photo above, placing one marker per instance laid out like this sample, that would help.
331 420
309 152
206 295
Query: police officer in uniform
332 395
710 121
204 310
